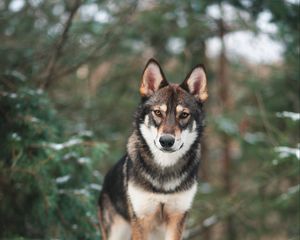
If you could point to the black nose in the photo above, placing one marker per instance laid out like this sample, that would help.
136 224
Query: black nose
166 141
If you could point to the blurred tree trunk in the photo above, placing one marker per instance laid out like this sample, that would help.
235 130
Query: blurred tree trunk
195 53
204 166
201 57
223 92
224 97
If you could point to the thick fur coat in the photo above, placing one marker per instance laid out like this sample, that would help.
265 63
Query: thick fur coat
148 193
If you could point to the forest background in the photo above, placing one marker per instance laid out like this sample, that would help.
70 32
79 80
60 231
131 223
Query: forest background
69 77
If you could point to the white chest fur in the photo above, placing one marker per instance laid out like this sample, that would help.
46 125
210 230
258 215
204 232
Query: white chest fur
145 202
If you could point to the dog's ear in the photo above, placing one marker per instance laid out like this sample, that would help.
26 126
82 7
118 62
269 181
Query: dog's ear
196 84
153 79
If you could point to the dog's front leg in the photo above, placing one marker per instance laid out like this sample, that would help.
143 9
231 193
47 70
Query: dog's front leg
140 228
175 225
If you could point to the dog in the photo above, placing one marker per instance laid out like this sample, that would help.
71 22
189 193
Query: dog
148 193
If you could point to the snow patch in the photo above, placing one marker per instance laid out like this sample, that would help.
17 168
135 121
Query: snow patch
16 137
290 192
288 151
253 138
84 160
97 174
95 186
70 155
81 192
292 115
210 221
86 133
60 146
63 179
10 95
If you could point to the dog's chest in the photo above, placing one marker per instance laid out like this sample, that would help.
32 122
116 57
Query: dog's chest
144 202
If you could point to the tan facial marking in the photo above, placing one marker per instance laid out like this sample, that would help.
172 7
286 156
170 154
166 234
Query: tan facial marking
163 107
159 112
160 130
179 108
177 133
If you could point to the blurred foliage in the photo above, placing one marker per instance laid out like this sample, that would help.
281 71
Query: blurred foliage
70 73
47 188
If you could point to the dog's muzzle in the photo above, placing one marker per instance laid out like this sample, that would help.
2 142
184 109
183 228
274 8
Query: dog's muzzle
167 141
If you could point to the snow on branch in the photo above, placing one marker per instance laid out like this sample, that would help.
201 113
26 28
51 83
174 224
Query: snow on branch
288 151
292 115
60 146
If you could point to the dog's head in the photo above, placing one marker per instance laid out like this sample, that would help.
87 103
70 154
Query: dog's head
171 117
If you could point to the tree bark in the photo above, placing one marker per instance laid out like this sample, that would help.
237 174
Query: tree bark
224 98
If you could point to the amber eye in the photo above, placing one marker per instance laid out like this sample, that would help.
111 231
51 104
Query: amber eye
184 115
157 113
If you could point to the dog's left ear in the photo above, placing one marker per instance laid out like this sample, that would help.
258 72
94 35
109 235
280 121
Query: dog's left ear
153 79
196 84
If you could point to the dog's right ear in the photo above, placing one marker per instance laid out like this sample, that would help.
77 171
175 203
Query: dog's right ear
153 79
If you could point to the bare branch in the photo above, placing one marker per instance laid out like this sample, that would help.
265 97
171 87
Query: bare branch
91 56
48 75
108 40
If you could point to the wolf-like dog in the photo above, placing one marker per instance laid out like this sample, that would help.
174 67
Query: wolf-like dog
149 192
